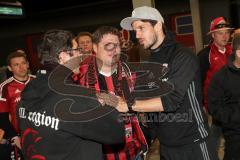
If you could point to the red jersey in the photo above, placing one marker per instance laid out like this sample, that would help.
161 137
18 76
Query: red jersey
135 144
10 95
216 61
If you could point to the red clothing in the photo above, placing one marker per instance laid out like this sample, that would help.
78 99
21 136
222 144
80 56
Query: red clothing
216 61
10 92
135 142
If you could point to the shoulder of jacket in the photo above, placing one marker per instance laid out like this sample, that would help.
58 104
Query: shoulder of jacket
32 76
204 53
222 73
7 81
187 53
3 86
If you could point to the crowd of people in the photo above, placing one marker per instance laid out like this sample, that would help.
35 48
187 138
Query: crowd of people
87 100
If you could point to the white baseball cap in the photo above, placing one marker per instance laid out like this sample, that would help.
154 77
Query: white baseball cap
141 13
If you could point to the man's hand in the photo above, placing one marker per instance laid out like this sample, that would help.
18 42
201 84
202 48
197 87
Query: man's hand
1 134
112 100
73 64
16 141
107 98
122 105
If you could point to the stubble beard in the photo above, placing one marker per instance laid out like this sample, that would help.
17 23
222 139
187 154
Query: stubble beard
151 44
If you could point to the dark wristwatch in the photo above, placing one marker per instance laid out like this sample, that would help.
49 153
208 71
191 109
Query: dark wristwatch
130 104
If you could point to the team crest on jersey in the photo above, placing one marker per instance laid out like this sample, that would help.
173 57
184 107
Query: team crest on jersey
17 99
17 91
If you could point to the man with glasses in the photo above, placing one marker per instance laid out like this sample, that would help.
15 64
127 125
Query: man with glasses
213 58
111 77
59 120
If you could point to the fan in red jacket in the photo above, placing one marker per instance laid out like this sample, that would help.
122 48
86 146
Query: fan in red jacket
212 59
215 55
51 127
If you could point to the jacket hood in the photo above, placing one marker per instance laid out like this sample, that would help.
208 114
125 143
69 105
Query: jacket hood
58 81
38 88
168 41
35 91
166 50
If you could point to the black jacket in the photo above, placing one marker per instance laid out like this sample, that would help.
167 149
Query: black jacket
62 121
203 56
224 98
183 120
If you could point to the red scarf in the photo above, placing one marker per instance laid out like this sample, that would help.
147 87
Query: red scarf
135 143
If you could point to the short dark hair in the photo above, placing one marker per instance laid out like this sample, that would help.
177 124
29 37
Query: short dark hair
15 54
54 41
153 23
98 34
84 34
236 42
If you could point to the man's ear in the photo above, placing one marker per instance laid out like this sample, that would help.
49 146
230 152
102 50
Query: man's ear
95 47
60 60
158 26
212 35
27 64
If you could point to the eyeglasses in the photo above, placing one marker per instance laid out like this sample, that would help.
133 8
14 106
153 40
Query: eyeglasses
111 46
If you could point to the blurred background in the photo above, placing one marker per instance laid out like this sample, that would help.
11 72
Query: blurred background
23 22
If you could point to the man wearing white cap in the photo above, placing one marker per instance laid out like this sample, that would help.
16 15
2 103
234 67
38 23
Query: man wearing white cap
180 138
212 59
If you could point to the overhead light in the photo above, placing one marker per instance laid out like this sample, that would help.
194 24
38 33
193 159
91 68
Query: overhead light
11 10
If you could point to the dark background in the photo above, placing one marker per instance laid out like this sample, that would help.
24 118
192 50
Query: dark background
87 15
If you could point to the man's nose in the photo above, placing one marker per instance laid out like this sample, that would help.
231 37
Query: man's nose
21 66
138 34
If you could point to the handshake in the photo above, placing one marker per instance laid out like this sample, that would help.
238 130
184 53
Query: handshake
114 101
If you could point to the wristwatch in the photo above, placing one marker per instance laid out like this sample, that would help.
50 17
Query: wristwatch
130 104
